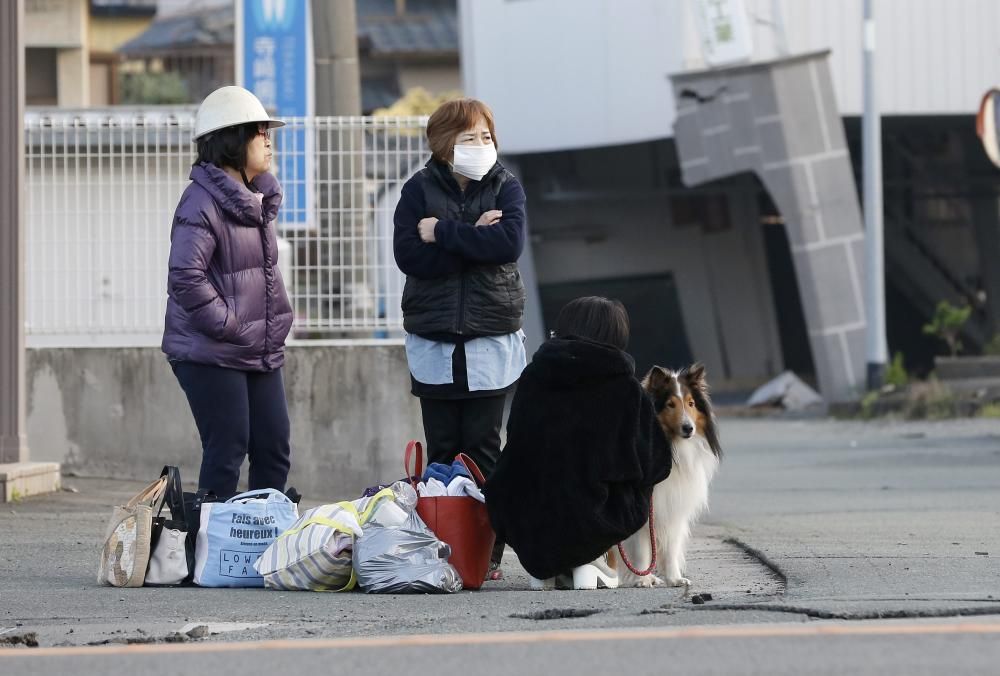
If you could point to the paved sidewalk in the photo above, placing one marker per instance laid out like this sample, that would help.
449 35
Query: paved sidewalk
48 587
863 520
869 519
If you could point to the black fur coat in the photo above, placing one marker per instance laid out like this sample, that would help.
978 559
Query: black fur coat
583 453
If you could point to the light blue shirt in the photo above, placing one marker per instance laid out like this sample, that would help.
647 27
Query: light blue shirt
492 362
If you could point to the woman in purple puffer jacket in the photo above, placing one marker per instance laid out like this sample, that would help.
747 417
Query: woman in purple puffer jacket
228 313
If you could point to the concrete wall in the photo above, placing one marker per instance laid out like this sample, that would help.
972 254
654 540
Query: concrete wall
107 34
62 24
55 23
121 413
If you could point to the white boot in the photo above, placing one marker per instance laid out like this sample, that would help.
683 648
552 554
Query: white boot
547 584
594 575
561 581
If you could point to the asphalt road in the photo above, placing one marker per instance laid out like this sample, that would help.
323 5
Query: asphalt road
856 521
818 648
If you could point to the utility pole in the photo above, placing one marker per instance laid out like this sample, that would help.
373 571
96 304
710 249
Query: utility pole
13 437
340 193
876 348
18 477
335 49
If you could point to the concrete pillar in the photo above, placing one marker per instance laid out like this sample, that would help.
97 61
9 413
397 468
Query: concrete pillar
18 477
73 74
779 119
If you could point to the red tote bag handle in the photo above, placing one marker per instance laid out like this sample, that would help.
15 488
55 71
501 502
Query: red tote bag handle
473 468
414 449
414 457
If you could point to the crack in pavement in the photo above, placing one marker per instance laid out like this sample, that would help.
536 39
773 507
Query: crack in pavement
556 614
761 557
862 615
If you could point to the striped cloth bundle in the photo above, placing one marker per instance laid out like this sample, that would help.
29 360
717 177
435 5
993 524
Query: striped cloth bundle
315 553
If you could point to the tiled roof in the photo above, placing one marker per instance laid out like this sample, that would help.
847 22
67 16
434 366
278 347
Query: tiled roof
203 28
122 7
427 27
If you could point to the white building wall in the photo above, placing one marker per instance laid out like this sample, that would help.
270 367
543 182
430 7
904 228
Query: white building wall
933 56
564 74
570 73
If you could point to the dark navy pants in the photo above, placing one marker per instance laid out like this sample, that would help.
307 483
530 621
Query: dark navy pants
238 414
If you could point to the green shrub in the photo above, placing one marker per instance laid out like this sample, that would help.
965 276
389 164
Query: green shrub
153 88
993 347
896 373
947 323
990 410
868 405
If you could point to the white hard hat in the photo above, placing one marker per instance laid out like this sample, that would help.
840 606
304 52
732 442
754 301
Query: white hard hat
228 107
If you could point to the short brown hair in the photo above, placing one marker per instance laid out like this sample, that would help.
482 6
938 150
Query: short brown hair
452 118
595 318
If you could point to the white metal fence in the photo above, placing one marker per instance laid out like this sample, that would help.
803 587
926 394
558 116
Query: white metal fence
101 191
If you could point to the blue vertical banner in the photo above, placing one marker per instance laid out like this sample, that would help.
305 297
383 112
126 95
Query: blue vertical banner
274 60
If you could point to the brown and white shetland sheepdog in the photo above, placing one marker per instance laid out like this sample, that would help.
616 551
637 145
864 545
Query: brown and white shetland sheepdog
684 410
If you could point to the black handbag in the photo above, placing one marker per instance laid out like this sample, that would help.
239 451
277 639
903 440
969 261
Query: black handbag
171 559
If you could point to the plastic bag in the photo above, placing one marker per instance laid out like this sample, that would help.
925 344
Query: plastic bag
398 554
315 554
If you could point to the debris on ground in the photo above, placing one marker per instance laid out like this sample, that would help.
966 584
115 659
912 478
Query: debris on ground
787 391
662 610
201 631
556 614
29 639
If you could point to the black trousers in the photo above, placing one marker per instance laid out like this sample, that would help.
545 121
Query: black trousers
472 426
238 414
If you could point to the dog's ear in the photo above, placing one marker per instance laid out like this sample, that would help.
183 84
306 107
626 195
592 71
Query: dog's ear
695 374
657 380
658 383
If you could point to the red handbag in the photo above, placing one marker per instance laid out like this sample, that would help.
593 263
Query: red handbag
460 521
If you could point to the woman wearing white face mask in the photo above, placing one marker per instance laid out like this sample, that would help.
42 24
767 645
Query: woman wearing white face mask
459 230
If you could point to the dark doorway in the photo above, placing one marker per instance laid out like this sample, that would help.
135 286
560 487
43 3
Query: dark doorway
658 336
792 331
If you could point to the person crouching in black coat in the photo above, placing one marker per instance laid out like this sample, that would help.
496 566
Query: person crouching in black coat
583 452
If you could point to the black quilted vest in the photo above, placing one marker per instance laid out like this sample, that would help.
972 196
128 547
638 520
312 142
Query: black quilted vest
482 299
